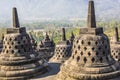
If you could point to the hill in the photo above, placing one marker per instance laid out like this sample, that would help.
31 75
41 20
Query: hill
57 9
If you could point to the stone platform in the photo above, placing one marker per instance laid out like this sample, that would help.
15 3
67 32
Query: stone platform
53 70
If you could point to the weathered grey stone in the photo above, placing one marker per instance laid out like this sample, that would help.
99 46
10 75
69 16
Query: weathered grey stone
91 20
115 45
91 57
1 46
46 47
62 50
18 60
72 38
15 18
1 42
63 34
33 42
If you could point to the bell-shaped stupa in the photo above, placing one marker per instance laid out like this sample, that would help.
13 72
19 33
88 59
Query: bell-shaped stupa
91 57
62 49
46 47
18 60
115 45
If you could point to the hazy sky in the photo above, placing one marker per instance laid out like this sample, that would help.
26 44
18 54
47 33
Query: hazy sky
41 8
32 9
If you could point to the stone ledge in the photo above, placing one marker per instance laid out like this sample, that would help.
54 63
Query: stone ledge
16 30
95 31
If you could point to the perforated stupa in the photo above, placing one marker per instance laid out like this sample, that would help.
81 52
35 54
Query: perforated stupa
115 45
18 60
91 58
62 49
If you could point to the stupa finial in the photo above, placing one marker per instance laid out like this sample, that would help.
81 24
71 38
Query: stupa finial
15 18
91 20
116 34
63 34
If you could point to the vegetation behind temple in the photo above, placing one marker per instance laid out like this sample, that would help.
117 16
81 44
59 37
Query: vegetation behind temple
54 28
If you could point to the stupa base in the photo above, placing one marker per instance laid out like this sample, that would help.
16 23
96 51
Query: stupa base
72 72
27 75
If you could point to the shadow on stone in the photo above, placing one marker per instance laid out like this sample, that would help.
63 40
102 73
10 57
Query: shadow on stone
54 68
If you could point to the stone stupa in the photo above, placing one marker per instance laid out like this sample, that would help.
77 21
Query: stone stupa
72 38
18 60
33 41
1 42
115 45
46 47
62 50
91 57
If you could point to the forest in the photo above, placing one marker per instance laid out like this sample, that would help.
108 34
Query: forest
53 28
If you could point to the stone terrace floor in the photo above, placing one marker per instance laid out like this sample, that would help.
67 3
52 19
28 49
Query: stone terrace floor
54 68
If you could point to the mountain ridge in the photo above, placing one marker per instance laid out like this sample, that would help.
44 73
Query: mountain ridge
58 9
